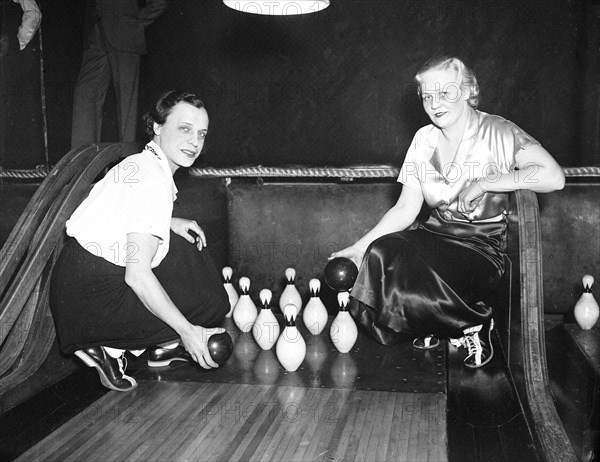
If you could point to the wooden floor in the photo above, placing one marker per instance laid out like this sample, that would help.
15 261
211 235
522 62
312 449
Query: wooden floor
179 421
574 370
374 403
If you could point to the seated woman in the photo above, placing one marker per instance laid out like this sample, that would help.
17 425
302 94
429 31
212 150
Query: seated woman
130 276
431 279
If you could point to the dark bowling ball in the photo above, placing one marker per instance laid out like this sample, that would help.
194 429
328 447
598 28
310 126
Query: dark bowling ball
340 274
220 347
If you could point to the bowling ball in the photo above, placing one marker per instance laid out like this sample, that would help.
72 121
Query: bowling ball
340 274
220 347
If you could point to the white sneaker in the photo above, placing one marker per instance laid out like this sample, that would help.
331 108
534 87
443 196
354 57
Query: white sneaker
478 341
457 342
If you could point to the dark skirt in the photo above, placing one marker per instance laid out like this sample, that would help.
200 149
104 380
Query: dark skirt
92 305
430 280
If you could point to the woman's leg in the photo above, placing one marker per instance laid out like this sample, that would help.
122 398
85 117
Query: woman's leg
93 306
418 283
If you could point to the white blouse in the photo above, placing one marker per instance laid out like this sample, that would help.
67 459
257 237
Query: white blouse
135 196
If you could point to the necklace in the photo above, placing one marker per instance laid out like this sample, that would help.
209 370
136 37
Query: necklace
152 150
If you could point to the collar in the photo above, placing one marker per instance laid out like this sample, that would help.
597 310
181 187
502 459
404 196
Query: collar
472 127
157 153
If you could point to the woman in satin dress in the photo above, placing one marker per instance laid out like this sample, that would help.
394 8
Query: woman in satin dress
429 280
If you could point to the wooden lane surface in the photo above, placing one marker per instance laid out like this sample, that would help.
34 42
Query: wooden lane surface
179 421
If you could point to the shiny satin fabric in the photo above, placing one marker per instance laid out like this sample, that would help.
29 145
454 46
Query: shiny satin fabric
431 280
488 149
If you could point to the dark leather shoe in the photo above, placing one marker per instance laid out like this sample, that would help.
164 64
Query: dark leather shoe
111 370
478 342
426 343
159 357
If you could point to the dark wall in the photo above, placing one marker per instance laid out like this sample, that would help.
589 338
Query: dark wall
21 121
336 87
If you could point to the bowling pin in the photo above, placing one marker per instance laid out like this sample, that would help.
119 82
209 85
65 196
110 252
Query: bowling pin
290 348
343 330
244 313
231 292
586 309
315 314
290 294
266 328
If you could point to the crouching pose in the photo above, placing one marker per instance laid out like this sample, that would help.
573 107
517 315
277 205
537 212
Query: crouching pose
431 280
131 276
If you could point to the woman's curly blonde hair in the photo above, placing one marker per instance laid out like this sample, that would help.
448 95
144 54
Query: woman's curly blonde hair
466 77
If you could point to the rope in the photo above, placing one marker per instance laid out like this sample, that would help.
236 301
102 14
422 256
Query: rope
367 171
588 172
363 171
40 172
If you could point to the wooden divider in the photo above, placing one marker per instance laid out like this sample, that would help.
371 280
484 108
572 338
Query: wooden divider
27 329
18 241
523 340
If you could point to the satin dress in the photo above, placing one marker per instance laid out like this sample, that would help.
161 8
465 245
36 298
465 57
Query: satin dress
434 277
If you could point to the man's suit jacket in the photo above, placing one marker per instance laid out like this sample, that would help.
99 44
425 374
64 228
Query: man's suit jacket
123 22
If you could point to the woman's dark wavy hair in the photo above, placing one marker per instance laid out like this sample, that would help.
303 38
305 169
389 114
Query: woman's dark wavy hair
159 113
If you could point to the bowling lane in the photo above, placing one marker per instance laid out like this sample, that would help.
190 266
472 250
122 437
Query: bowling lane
368 366
179 421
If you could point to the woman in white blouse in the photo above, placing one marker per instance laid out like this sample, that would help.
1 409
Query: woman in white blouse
131 276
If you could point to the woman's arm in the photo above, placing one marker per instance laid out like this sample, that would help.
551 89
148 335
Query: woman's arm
536 170
139 276
398 218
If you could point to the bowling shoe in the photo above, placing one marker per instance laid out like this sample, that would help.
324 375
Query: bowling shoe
426 343
478 342
159 357
111 370
457 342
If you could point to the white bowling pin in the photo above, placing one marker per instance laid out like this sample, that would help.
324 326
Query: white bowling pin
343 330
231 292
315 314
586 309
244 313
290 294
291 347
266 328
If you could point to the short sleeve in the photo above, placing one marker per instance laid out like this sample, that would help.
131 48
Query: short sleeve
510 140
149 209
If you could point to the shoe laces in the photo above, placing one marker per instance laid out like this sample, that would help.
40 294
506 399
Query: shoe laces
457 342
473 344
122 361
